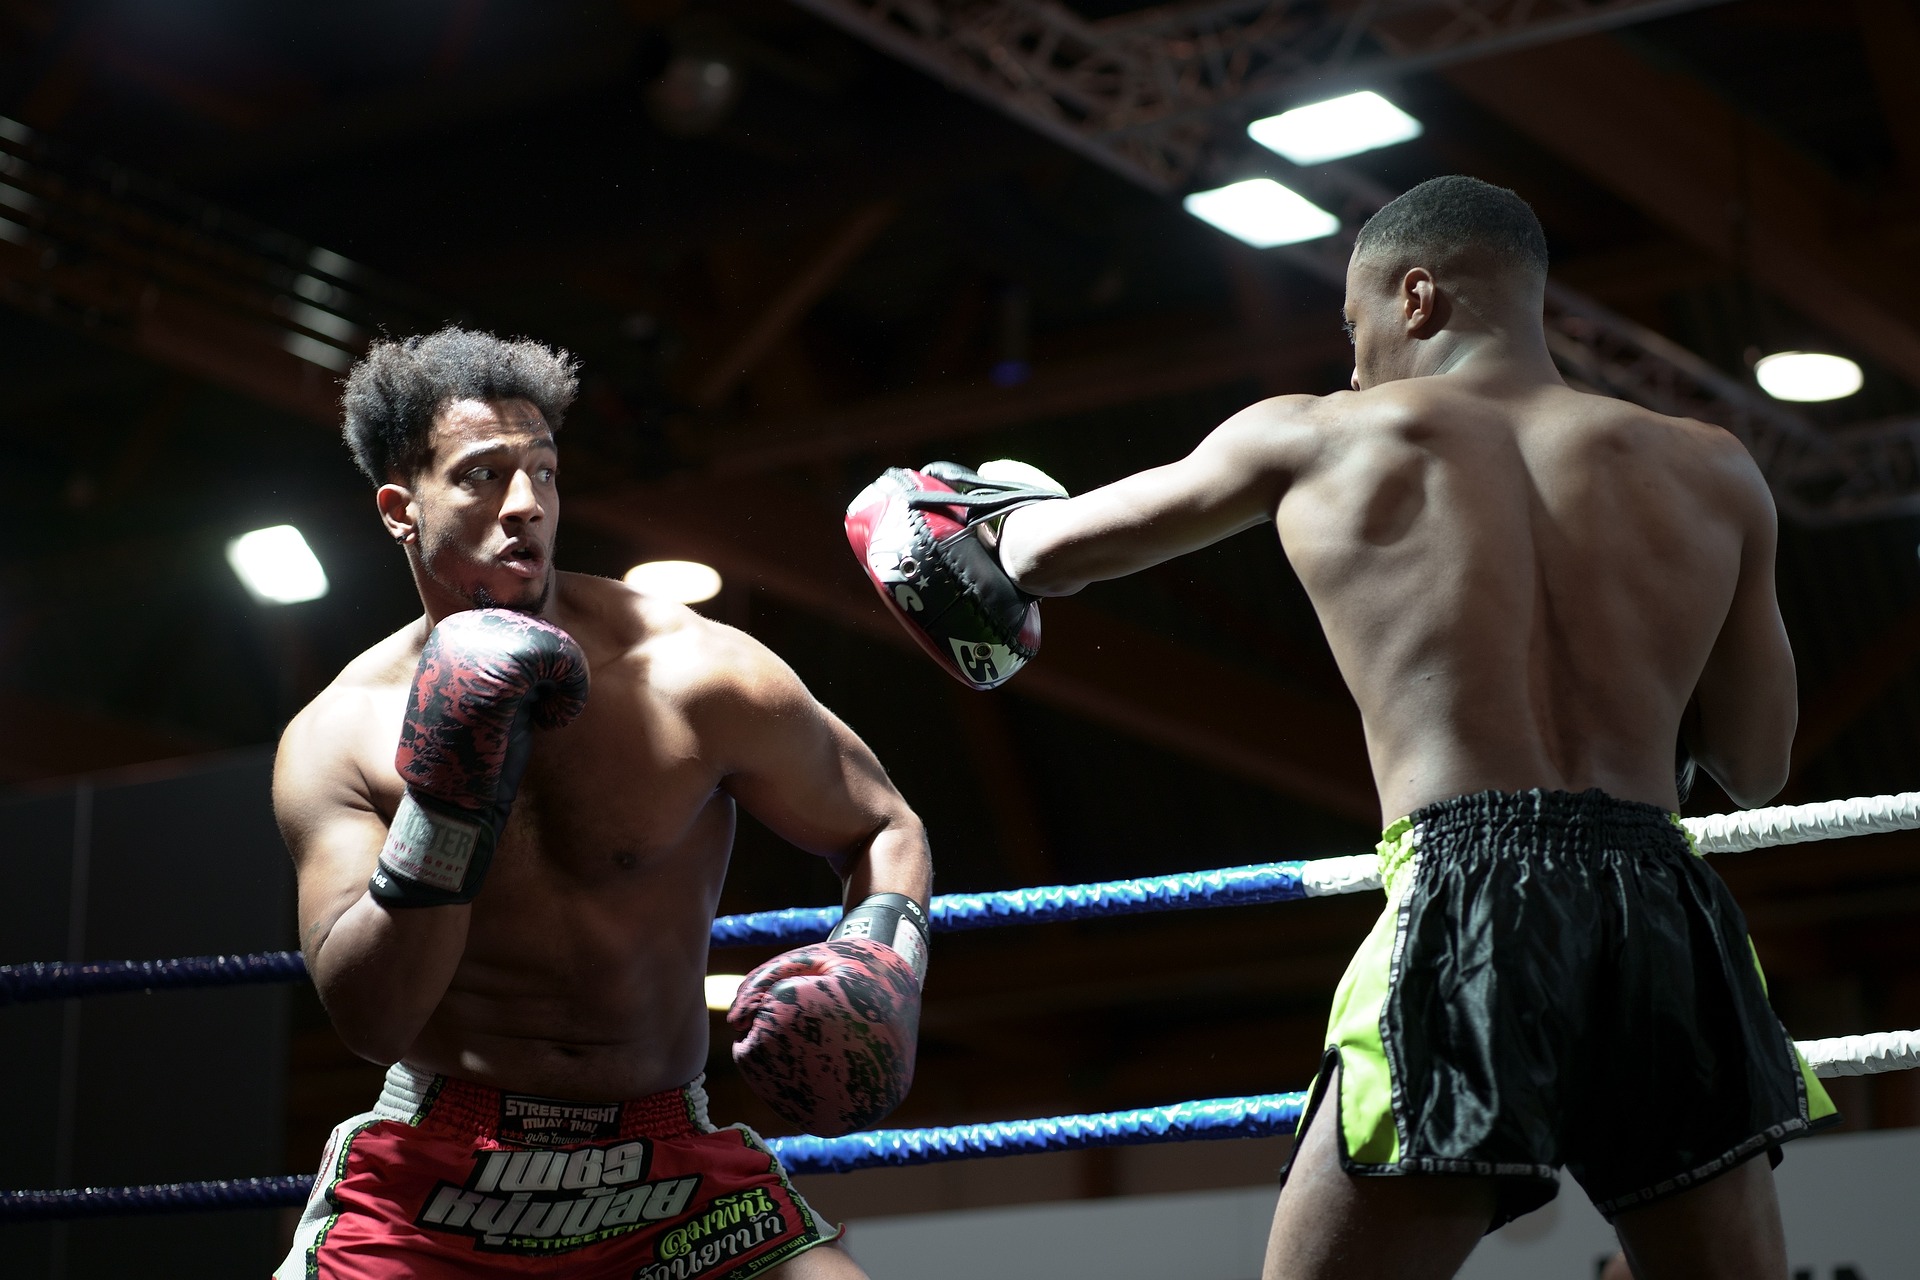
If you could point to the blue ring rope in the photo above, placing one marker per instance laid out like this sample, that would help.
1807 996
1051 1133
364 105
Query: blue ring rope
1227 887
1261 1116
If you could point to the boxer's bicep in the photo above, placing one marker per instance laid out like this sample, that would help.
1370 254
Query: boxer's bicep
330 826
1748 703
1231 482
798 769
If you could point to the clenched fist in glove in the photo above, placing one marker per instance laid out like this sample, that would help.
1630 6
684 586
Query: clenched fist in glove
487 678
826 1033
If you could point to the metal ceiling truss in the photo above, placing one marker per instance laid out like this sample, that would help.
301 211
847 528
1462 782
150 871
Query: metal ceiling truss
107 249
1153 94
1159 95
1817 476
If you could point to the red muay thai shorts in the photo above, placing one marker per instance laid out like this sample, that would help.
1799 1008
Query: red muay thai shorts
444 1179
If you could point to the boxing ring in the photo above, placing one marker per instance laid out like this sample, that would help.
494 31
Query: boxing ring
1261 1115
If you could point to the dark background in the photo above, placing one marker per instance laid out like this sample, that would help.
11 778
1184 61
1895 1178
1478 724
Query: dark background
816 279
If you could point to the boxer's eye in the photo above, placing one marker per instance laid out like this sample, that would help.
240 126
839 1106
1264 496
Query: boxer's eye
1346 327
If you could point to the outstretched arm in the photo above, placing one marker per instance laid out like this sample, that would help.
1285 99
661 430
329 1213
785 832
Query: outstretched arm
810 779
1746 701
1233 481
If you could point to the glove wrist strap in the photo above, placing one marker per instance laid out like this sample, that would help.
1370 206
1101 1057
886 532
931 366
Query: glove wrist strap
892 920
432 858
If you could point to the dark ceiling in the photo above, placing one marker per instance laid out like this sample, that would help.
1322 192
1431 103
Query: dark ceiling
777 295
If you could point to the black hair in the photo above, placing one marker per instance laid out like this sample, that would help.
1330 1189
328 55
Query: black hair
397 389
1444 219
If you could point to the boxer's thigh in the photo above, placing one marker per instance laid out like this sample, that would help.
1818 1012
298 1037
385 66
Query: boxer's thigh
1330 1223
822 1262
1726 1227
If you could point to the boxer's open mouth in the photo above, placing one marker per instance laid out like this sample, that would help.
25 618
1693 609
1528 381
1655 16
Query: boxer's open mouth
523 558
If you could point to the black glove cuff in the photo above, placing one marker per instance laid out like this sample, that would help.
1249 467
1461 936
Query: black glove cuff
434 857
893 920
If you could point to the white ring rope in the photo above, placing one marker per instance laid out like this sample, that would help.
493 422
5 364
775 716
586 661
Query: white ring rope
1793 823
1323 877
1863 1055
1716 833
1738 833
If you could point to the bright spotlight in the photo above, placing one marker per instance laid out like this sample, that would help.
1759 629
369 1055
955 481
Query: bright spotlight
686 581
721 988
276 566
1262 212
1807 376
1338 127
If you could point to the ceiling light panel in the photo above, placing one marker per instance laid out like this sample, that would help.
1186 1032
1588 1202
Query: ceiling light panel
1807 376
1262 212
1323 131
276 566
687 581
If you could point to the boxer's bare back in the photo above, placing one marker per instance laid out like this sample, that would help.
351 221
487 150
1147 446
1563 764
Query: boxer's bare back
578 971
1523 584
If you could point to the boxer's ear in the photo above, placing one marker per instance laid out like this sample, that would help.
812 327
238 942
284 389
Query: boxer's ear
395 502
1422 306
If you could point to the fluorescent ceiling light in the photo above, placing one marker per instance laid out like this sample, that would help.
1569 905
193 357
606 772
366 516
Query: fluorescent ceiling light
1262 212
314 351
1337 127
276 566
1807 376
721 988
686 581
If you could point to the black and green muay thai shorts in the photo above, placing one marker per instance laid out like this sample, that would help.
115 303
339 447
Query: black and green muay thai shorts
1558 979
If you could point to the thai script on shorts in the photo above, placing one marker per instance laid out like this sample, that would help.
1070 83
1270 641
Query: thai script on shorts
732 1226
549 1202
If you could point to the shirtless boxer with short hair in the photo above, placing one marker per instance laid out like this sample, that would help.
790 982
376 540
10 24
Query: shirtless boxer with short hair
1525 587
542 1001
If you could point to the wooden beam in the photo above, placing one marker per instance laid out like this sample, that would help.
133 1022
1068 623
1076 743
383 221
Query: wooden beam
1858 688
773 319
1640 273
1670 146
1094 666
900 421
220 346
1006 786
1890 37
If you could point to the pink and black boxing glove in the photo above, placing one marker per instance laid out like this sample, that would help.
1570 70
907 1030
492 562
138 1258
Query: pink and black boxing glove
826 1033
487 679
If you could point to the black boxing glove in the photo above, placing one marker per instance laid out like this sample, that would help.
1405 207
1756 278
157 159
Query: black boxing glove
1684 766
487 678
928 540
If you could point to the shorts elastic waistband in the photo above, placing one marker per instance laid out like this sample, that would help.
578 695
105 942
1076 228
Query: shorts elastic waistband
444 1104
1558 810
1535 820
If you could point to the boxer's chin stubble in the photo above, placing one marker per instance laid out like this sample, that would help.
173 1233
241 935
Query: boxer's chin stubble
432 551
481 598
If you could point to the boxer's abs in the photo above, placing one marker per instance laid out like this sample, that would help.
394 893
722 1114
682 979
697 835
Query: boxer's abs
582 976
1513 608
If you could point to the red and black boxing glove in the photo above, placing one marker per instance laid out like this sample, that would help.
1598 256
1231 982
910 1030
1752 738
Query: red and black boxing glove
487 678
826 1033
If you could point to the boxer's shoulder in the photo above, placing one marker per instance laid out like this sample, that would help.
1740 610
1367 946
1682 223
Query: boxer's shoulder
682 656
342 739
